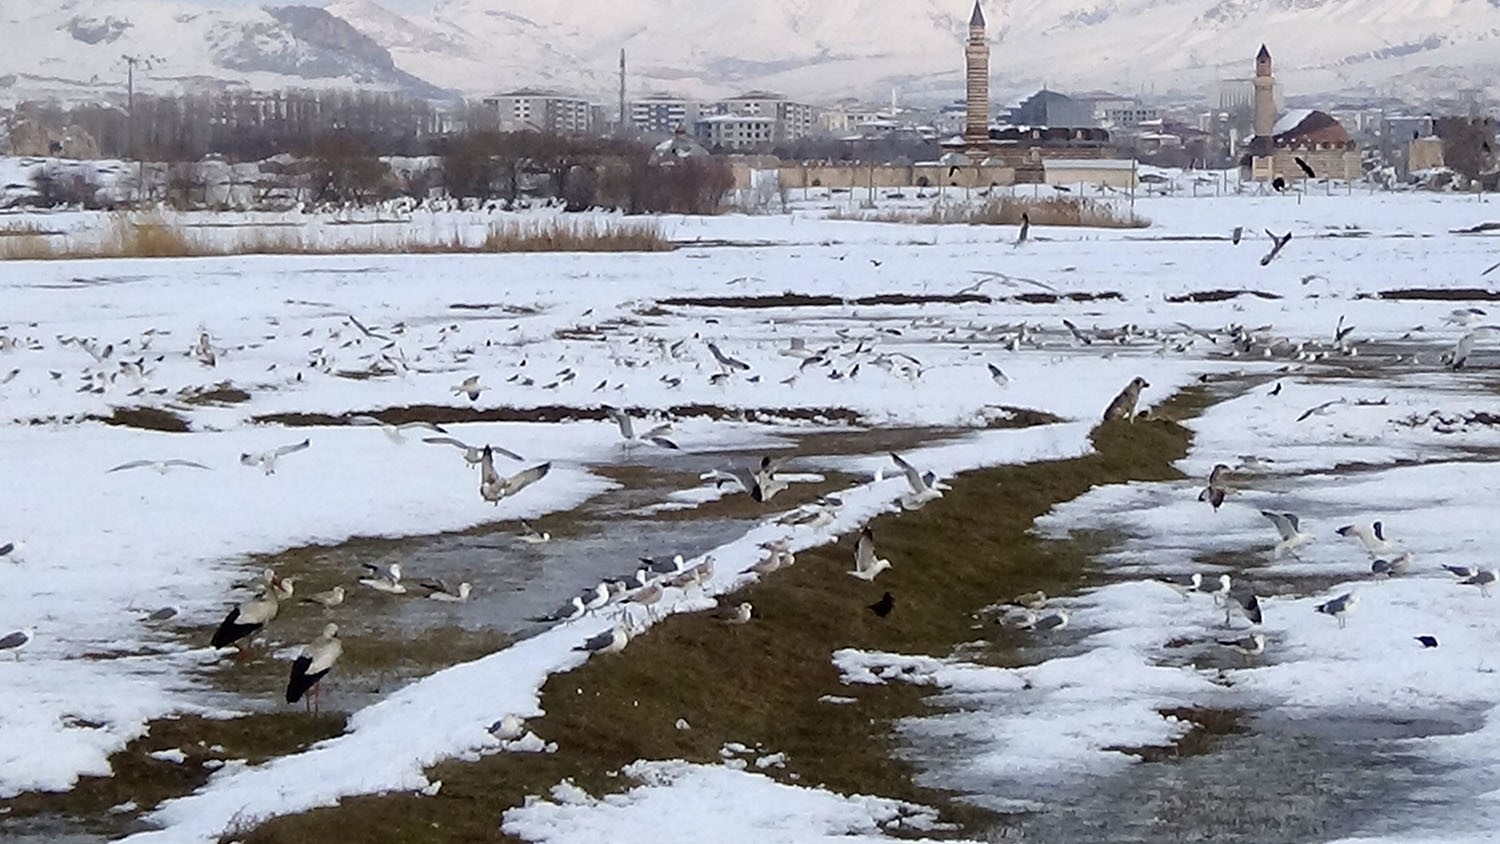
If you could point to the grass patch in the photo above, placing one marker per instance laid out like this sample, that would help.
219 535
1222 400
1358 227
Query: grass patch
140 779
1007 211
581 236
146 419
760 684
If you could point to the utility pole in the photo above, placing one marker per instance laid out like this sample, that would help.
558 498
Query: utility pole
624 118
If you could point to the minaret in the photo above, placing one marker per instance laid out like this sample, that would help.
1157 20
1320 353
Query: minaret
1265 94
977 78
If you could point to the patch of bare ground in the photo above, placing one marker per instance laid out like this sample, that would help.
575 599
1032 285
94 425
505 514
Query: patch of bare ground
1200 296
146 419
217 395
1441 294
1208 727
808 300
760 683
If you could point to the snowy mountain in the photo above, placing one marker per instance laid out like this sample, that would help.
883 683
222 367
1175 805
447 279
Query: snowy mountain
808 48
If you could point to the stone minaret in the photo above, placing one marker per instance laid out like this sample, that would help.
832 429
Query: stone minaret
977 78
1265 94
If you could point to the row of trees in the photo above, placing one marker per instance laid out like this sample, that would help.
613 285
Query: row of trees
347 168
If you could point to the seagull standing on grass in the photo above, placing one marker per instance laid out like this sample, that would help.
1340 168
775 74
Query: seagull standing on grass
316 661
740 613
1289 528
866 565
266 460
388 583
493 488
925 487
1338 607
14 641
609 642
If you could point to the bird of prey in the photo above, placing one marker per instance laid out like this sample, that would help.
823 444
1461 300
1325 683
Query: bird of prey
1305 167
866 565
1217 488
492 487
1277 244
883 607
266 460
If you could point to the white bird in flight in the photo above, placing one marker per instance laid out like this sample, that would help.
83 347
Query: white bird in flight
396 433
266 460
1370 535
866 565
161 467
925 487
473 454
1289 528
493 488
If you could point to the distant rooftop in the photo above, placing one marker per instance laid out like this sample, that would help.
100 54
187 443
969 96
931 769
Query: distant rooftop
758 95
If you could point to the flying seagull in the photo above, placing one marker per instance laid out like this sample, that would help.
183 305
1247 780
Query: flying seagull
1277 244
1305 167
161 467
1289 527
473 454
493 488
316 660
247 618
1465 346
1216 490
1337 607
631 436
1321 409
1370 535
1000 378
866 565
469 387
925 486
266 460
396 433
1490 270
729 363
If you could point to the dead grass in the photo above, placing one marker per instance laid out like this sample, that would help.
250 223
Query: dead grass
760 684
129 234
1007 211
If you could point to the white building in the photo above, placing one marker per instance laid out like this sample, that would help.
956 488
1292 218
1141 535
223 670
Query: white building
662 114
792 120
542 111
736 131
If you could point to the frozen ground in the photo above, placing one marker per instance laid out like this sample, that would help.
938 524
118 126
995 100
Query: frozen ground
555 337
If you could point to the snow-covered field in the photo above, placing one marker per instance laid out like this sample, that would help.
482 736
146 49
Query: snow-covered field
334 337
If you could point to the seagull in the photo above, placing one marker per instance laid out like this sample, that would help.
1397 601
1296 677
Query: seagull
1025 229
390 584
1216 490
609 642
203 350
1304 167
469 387
1251 645
1321 409
493 488
729 363
883 607
1289 527
1461 572
396 433
1077 334
473 454
1051 622
508 728
161 467
664 565
316 661
1030 600
1239 232
1000 378
10 552
16 640
924 487
737 614
1337 607
1241 599
440 591
1277 244
573 609
1392 567
1465 346
531 535
1371 535
1490 270
761 483
266 460
646 596
866 565
246 619
593 599
1482 578
628 432
331 598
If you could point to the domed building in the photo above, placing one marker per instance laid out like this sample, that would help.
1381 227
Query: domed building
1311 135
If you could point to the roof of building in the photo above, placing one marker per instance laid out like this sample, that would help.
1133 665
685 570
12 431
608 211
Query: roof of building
1309 125
976 19
736 118
1263 54
757 95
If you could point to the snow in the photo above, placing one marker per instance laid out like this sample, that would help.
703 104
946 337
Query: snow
737 807
1099 685
1291 120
